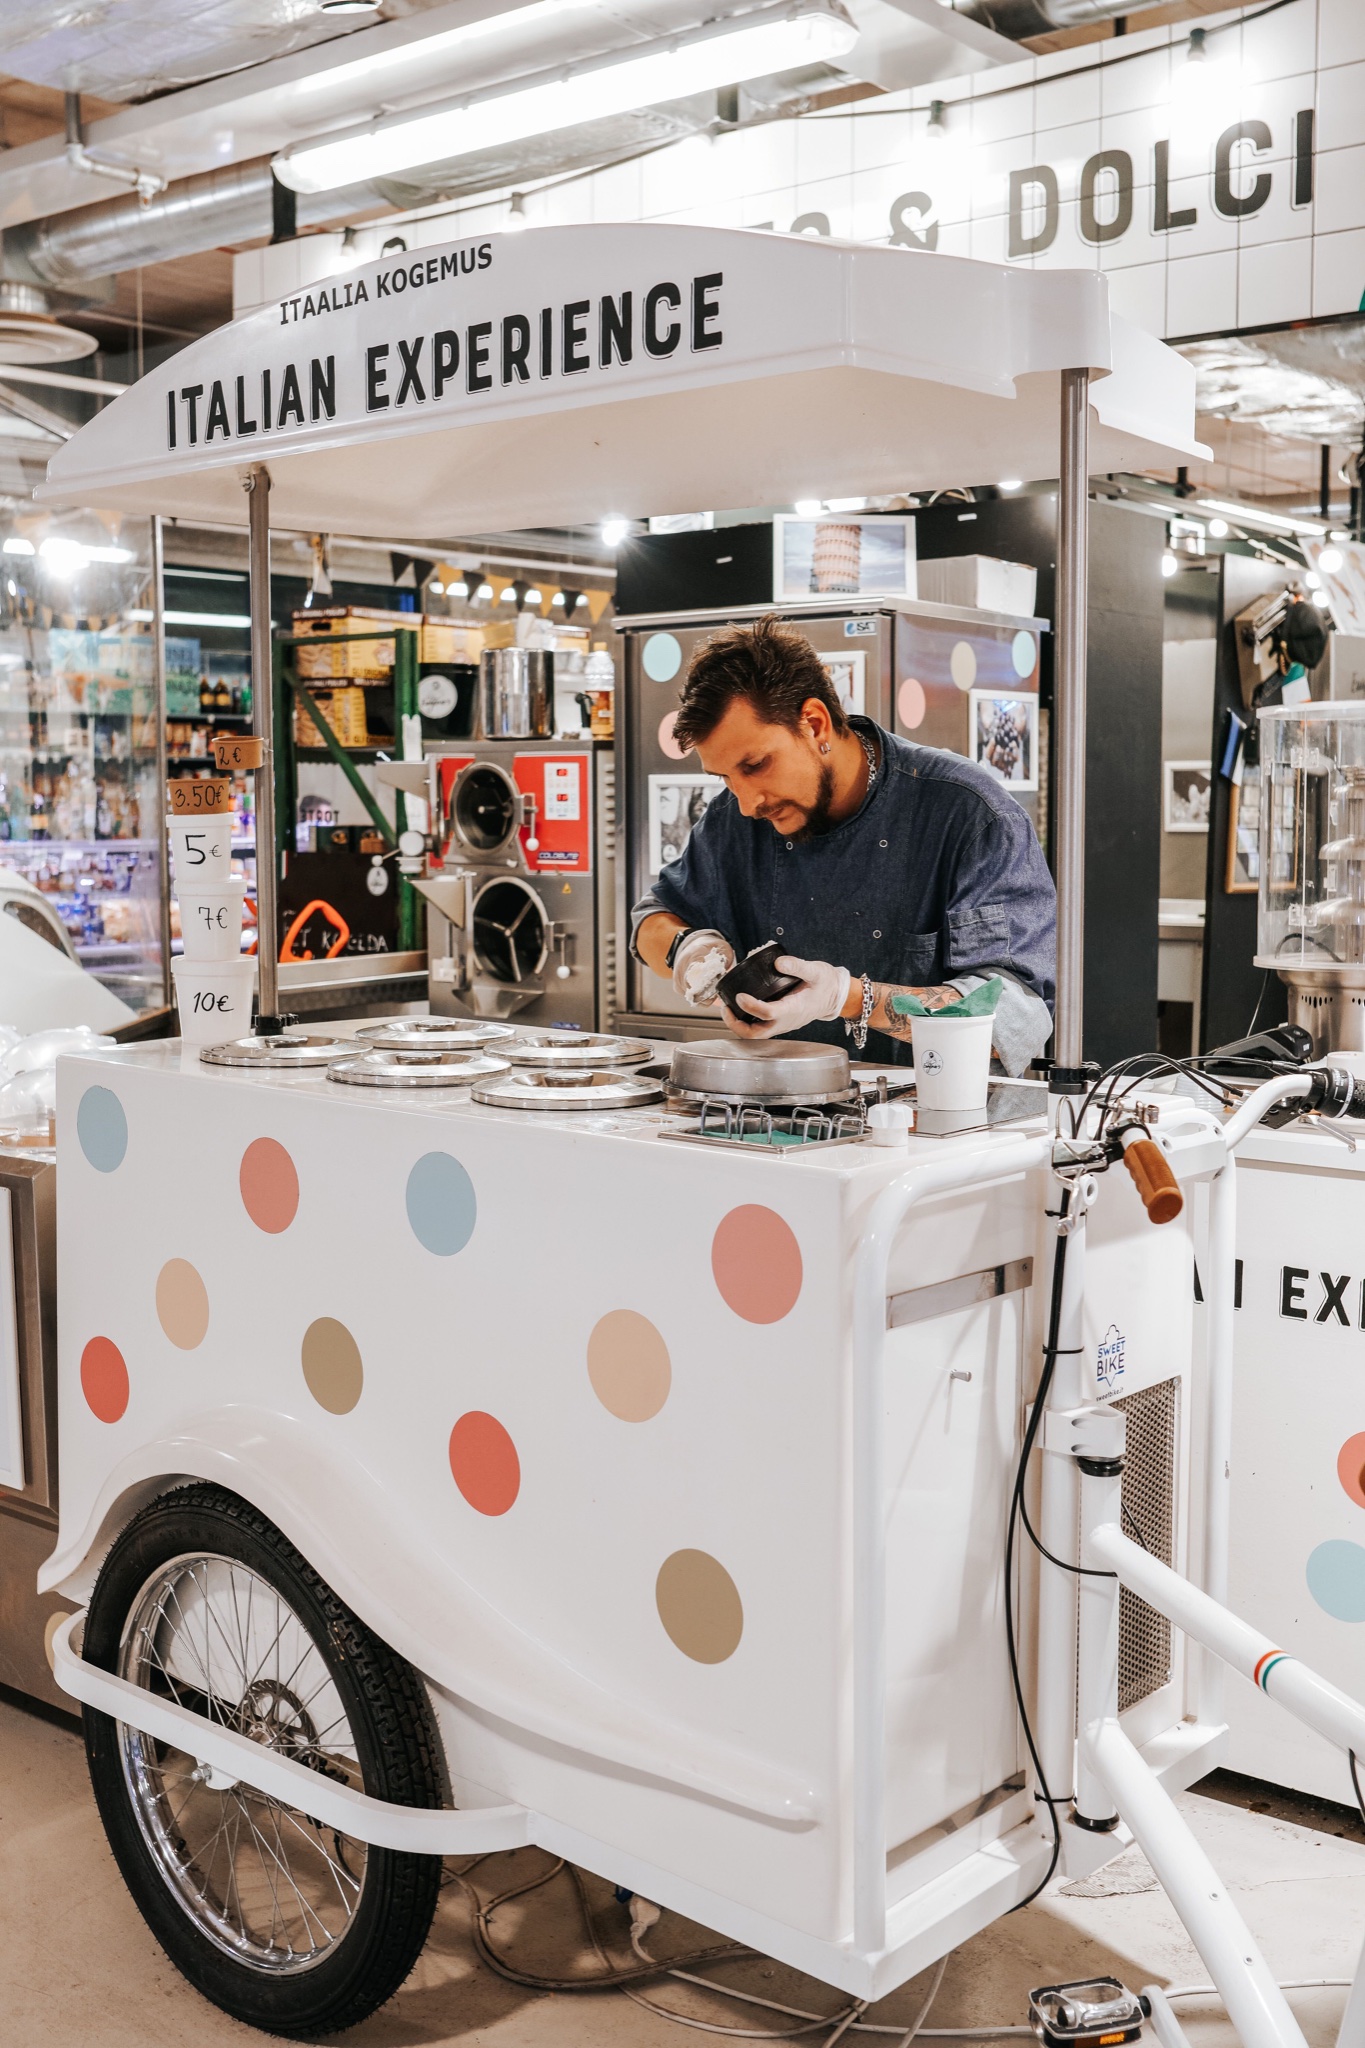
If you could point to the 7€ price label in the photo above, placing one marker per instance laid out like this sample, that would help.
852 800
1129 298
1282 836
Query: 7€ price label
239 753
200 796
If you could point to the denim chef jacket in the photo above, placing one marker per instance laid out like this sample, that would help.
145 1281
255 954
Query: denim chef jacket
938 877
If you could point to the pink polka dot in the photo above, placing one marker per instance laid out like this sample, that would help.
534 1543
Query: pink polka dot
484 1463
911 704
667 744
269 1185
757 1264
104 1379
1351 1468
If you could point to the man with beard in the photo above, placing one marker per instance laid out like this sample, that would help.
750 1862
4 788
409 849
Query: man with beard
882 867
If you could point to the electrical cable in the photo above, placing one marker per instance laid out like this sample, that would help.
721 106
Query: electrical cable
1044 1792
1353 1761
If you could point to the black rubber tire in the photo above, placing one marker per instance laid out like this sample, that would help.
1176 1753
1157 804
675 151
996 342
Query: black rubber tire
390 1717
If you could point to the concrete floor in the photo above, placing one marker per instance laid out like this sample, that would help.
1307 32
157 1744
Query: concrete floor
78 1969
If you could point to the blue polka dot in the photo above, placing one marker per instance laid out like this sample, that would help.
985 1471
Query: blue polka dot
1336 1579
102 1129
441 1204
662 657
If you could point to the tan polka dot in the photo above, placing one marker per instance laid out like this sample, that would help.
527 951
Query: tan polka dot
182 1304
699 1605
332 1366
628 1365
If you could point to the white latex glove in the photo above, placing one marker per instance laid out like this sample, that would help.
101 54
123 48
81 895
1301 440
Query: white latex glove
698 965
820 998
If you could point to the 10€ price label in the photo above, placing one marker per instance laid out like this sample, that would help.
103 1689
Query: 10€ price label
239 752
200 795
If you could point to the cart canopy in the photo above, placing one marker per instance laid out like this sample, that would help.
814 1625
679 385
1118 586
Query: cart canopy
575 373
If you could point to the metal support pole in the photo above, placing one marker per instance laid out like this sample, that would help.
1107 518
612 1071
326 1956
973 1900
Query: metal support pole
1073 536
407 730
163 862
257 487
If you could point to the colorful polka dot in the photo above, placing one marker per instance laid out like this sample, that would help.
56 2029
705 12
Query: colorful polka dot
629 1366
332 1365
962 664
699 1606
911 703
269 1184
102 1129
104 1379
1336 1579
182 1304
662 657
484 1463
667 744
1024 654
1351 1468
442 1208
756 1261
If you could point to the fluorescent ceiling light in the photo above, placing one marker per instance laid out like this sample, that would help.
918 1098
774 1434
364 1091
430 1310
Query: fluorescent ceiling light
723 53
1272 522
1011 483
17 545
848 504
192 618
809 508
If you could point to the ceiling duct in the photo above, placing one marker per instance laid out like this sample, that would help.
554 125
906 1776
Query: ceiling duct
1020 18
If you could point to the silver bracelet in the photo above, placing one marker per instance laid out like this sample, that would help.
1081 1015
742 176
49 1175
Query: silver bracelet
858 1032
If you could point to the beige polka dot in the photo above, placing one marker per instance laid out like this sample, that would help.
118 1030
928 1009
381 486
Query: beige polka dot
699 1605
332 1365
182 1304
628 1365
962 664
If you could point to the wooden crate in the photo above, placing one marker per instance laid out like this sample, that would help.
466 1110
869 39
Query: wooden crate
329 655
344 711
452 640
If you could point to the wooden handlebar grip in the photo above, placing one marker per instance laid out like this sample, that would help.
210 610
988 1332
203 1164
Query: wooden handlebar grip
1157 1185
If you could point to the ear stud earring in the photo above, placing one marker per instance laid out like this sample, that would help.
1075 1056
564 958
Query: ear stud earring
824 746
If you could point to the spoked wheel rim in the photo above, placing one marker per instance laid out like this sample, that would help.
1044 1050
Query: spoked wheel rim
268 1886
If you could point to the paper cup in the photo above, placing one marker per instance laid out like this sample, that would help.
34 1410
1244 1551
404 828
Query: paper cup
202 850
214 998
952 1061
211 921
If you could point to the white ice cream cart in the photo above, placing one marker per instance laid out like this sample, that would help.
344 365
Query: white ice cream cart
494 1459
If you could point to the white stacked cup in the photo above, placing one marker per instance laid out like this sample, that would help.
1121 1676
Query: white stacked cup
213 983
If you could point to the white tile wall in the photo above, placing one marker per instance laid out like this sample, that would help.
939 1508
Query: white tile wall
852 165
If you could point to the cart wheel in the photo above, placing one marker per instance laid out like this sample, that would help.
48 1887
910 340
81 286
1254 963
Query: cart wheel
283 1923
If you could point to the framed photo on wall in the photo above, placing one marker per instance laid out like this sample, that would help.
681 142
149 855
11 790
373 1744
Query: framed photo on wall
1189 793
1003 735
1243 875
847 672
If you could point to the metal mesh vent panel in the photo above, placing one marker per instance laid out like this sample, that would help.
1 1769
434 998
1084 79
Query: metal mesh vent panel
1149 1516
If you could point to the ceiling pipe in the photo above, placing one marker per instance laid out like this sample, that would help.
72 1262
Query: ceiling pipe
1019 18
234 204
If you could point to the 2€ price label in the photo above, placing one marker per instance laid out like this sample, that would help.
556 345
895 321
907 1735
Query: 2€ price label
239 753
200 795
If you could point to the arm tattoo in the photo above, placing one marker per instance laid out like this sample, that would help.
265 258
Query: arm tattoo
884 1018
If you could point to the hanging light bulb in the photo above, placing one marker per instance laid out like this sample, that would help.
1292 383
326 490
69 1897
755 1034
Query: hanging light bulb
1330 560
614 532
937 130
1218 528
1169 563
516 216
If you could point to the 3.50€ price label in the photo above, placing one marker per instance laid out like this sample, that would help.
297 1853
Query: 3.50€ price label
239 753
200 796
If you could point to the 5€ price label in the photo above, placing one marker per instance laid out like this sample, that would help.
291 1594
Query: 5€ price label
200 795
239 752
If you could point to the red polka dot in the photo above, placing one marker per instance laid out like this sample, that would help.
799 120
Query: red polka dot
1351 1468
757 1264
484 1463
667 744
911 703
269 1184
104 1379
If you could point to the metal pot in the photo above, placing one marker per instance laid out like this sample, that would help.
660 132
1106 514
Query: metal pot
516 694
777 1072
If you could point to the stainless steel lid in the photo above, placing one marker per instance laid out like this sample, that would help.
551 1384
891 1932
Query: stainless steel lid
574 1088
779 1071
416 1069
431 1034
552 1048
289 1049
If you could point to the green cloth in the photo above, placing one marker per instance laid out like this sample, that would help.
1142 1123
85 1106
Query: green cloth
980 1003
